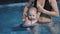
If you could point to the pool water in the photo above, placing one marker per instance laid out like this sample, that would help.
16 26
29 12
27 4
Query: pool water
11 14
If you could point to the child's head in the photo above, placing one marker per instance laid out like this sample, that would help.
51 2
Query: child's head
32 13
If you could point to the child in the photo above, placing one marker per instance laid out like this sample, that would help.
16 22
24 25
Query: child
32 18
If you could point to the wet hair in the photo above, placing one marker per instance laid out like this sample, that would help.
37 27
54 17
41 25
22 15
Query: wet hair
33 8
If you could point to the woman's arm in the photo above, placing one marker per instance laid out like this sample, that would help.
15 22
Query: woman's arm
55 11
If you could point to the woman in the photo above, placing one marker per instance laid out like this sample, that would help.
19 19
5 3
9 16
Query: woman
48 9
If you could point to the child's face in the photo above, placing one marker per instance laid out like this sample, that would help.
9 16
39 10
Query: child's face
32 15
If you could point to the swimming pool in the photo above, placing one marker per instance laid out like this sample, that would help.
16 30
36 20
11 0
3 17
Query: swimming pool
10 14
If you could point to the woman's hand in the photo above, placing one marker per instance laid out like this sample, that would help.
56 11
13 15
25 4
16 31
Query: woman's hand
24 16
39 6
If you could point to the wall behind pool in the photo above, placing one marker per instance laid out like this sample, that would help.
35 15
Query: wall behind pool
11 14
